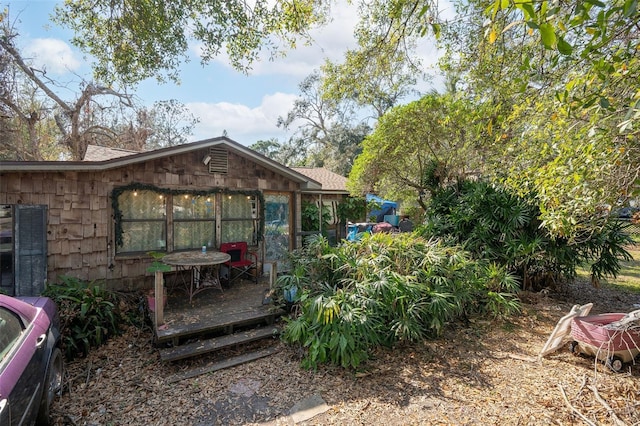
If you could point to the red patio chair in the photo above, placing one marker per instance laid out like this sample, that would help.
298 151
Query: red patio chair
242 260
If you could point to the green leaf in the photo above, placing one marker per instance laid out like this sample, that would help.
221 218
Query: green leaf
496 8
630 8
533 25
529 11
436 28
84 308
548 35
595 3
564 47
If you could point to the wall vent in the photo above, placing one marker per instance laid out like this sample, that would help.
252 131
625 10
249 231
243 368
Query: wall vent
219 161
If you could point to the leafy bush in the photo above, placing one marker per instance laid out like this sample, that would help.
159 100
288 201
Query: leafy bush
310 216
496 225
386 289
89 314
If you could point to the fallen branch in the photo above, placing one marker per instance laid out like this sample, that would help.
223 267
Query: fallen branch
524 358
575 410
86 383
584 384
616 419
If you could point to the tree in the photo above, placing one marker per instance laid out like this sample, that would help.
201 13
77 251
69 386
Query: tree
326 134
292 153
563 100
69 116
417 147
40 125
599 40
390 77
137 39
23 116
169 123
345 144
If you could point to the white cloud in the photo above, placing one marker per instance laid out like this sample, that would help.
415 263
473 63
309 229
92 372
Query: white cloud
328 42
242 124
52 55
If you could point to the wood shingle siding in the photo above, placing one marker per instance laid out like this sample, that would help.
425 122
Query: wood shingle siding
80 229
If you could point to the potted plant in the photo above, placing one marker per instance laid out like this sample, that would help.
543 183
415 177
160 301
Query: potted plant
292 283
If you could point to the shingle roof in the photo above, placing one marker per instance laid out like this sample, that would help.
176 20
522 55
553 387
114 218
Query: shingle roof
103 153
330 181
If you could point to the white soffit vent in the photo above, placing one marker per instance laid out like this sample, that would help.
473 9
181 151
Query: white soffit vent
219 162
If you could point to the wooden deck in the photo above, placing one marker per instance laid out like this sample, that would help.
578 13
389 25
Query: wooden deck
244 303
216 320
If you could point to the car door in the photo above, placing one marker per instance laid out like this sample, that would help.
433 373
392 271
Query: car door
21 369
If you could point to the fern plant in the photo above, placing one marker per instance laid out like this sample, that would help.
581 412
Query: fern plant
89 314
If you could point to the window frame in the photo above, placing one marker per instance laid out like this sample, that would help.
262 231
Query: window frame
161 220
11 345
251 219
189 220
256 219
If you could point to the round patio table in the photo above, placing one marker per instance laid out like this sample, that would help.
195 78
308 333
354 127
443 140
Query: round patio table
195 262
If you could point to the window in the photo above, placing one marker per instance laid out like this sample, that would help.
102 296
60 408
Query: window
10 331
144 221
239 218
194 222
167 220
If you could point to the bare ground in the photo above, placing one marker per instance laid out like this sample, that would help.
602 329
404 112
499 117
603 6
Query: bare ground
475 375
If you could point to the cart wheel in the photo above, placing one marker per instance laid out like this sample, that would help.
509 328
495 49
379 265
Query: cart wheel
615 364
573 347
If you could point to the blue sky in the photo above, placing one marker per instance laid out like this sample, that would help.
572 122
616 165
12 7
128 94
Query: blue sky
246 106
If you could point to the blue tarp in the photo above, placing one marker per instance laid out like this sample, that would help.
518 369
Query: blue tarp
386 207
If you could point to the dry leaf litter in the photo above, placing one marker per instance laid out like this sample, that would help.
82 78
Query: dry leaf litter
477 374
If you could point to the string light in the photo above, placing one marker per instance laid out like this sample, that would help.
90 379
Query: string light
134 187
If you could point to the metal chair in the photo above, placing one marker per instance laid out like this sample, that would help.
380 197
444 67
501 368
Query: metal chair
242 260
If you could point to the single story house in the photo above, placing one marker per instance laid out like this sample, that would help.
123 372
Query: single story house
98 219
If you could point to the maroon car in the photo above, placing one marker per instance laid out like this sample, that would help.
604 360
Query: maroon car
30 359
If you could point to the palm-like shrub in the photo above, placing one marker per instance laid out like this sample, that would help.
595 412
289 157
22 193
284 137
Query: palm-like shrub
501 227
386 289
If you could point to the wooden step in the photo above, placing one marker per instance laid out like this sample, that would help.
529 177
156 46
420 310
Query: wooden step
217 343
219 365
227 323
